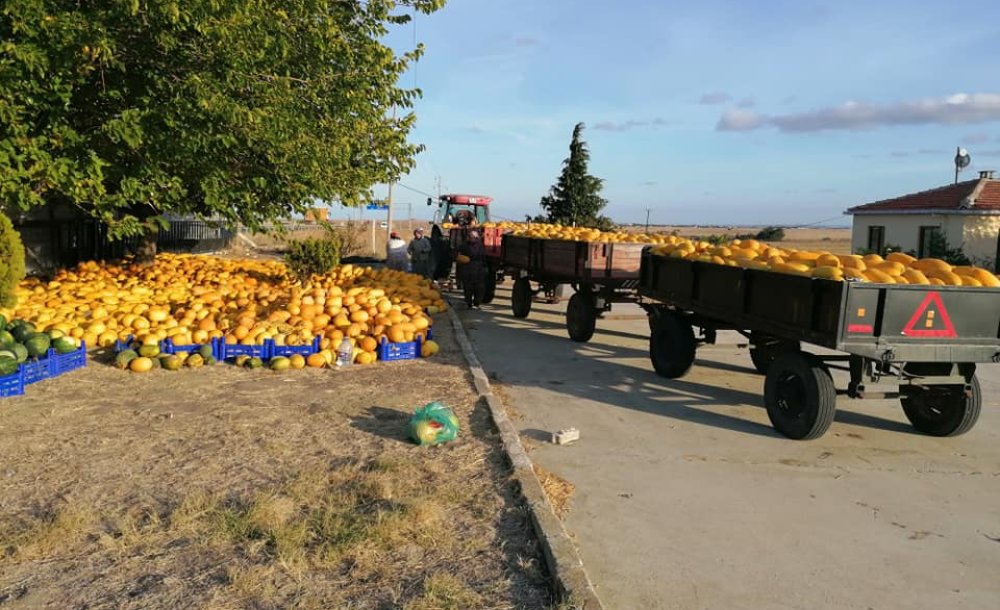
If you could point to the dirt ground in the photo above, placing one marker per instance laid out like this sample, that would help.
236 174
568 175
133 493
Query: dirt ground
226 488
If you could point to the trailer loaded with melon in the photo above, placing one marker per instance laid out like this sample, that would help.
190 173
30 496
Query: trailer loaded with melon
600 272
917 339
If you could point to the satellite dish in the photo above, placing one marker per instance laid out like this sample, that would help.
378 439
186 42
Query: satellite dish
962 158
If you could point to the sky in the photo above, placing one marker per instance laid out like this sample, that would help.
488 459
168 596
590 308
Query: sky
725 113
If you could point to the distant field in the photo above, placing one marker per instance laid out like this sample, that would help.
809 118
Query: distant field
835 240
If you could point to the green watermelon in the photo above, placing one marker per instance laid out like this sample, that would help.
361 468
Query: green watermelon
64 345
6 339
124 357
3 322
8 366
8 353
205 351
21 330
20 352
38 345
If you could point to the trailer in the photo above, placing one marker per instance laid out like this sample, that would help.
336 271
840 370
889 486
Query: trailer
919 342
600 273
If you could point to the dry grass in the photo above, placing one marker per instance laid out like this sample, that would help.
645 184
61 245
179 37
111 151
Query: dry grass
835 240
363 238
558 490
229 489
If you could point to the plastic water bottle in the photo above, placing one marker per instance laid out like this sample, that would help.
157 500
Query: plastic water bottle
345 353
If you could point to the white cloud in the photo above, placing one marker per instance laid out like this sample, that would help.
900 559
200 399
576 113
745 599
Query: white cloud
630 124
961 108
740 120
714 97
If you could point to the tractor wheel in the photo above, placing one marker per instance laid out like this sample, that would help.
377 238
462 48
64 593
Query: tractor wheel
520 298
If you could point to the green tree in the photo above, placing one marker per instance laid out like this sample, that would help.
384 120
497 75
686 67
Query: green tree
11 262
576 197
243 110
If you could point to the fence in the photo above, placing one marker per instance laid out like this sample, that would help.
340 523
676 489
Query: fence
61 243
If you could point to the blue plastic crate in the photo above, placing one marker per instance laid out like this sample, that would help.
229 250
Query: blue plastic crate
13 384
167 347
64 363
36 370
398 351
232 350
288 350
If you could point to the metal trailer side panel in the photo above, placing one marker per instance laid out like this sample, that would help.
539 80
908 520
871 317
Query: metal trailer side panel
922 323
873 320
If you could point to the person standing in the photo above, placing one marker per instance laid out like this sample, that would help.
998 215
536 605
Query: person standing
420 253
396 257
473 272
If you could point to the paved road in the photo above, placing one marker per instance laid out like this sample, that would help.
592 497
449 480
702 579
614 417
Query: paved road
686 498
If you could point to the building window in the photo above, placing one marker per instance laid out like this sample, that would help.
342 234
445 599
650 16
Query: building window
926 243
876 239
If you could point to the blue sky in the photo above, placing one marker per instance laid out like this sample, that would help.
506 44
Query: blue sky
712 112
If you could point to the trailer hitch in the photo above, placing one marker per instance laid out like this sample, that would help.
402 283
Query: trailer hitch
888 355
996 357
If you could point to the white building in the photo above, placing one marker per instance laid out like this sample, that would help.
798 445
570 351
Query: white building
967 214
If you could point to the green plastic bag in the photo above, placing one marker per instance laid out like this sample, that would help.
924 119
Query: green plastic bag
433 424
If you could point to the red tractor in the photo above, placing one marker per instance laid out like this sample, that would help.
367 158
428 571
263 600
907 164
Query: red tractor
456 214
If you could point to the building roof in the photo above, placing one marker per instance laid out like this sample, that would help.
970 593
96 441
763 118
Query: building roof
979 194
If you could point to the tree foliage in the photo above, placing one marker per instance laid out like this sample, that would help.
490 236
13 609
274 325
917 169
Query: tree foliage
246 110
576 197
11 262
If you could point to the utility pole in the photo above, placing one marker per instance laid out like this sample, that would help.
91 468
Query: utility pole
647 220
388 220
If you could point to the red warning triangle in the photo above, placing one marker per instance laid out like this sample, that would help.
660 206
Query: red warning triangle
930 321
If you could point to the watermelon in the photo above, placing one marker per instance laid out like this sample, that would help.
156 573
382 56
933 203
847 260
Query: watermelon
205 351
22 330
124 357
64 345
3 322
8 353
8 366
37 345
6 339
20 352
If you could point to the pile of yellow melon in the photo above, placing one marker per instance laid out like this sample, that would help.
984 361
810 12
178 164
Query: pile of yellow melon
895 268
563 233
194 298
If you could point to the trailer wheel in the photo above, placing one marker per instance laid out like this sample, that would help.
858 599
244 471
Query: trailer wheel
490 291
581 317
520 298
671 345
942 410
799 396
765 350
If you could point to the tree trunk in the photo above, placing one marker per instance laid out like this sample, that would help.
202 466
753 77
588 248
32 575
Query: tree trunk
145 251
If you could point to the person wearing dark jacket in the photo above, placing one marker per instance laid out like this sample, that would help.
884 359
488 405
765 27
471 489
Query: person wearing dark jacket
473 272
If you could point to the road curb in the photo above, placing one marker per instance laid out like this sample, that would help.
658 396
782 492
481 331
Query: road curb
568 575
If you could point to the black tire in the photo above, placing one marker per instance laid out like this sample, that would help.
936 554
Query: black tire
764 351
581 317
490 291
800 397
942 410
671 346
520 298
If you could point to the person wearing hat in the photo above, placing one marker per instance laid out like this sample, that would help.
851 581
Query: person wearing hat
420 253
396 253
473 272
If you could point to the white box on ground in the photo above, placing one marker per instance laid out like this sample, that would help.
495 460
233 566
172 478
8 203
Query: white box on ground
566 436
